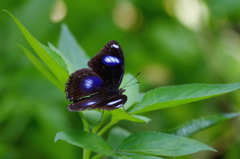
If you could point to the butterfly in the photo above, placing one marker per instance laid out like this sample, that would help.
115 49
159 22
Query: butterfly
97 87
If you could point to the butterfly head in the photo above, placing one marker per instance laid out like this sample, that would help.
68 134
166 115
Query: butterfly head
118 91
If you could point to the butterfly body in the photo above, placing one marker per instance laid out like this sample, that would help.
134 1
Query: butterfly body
97 87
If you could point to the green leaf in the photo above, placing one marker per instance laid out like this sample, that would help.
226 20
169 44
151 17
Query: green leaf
140 96
166 97
139 157
116 136
160 144
119 114
194 126
68 45
143 118
54 65
55 56
85 140
69 64
132 91
92 117
42 68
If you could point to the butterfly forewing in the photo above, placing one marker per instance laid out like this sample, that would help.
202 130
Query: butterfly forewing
109 64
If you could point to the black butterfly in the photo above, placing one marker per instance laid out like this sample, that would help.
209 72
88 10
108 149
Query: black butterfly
97 87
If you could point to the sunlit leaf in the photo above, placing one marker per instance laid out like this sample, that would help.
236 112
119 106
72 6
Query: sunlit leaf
57 58
194 126
160 144
42 68
85 140
55 65
71 49
130 156
165 97
70 66
119 114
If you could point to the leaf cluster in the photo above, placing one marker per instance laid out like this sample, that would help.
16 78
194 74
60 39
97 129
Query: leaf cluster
58 63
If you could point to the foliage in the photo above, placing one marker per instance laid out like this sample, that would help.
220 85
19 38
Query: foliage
159 43
141 144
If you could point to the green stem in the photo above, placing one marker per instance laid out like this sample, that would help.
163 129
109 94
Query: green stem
98 156
103 120
95 129
85 124
108 126
86 154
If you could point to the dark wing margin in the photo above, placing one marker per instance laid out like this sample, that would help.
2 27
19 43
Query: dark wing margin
109 64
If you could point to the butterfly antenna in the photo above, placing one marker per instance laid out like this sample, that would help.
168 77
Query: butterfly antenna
125 85
131 84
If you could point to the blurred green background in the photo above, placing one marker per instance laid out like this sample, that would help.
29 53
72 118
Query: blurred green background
170 42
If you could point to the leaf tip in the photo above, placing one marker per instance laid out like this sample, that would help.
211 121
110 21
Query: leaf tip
4 10
57 137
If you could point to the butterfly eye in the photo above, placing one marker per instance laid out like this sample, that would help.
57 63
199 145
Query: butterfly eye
111 60
90 83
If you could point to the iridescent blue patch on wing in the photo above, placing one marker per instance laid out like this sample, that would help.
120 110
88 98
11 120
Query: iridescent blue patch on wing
111 60
90 83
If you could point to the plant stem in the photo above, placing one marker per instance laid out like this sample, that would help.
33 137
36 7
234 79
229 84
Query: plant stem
109 125
98 156
95 129
86 154
85 124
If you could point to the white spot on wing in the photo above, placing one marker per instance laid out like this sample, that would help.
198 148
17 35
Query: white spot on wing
90 103
114 102
118 106
115 46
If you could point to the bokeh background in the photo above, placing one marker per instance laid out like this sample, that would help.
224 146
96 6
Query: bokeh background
170 42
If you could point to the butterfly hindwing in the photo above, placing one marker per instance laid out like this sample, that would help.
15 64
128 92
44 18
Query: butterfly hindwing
85 103
109 64
99 101
82 83
112 102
